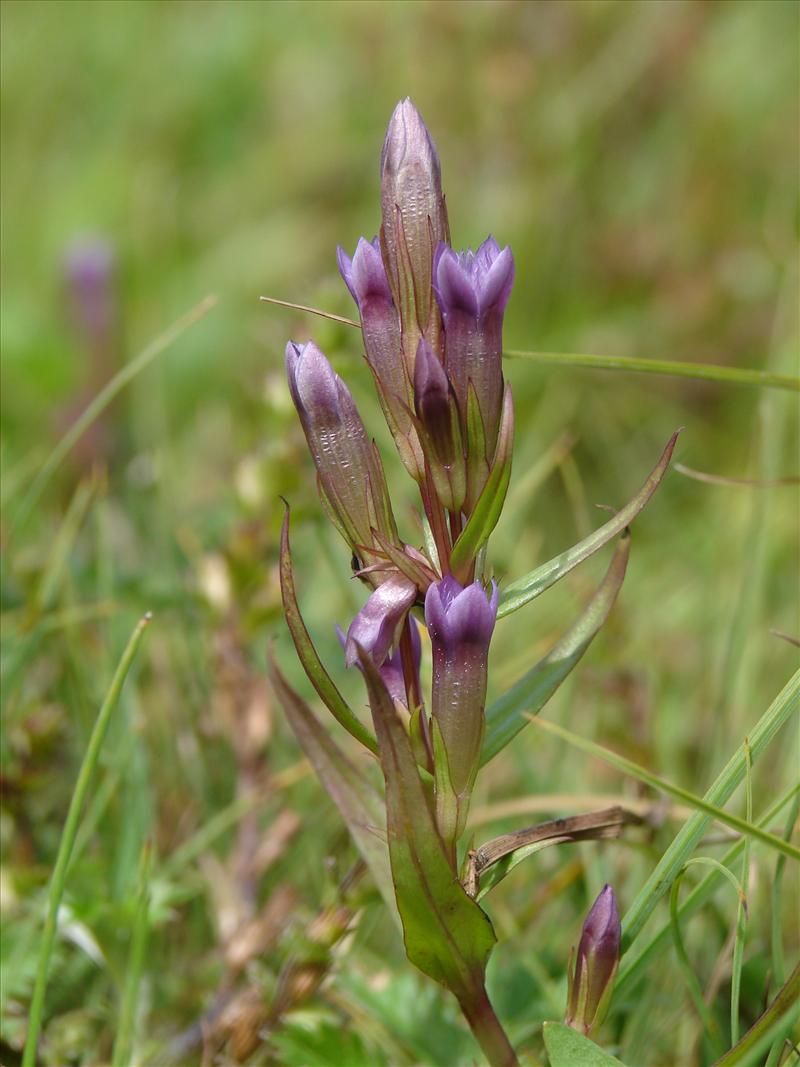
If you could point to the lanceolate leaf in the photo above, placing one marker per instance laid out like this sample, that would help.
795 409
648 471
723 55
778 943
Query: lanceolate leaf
358 802
528 588
312 664
507 715
446 934
490 503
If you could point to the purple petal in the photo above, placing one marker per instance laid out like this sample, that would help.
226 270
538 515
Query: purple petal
454 286
374 627
312 380
365 274
345 265
408 141
459 617
497 283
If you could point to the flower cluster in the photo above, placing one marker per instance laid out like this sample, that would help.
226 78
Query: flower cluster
431 323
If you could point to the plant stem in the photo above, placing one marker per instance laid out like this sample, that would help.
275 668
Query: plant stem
486 1027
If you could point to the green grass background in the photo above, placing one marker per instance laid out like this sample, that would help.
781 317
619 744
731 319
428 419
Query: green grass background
642 160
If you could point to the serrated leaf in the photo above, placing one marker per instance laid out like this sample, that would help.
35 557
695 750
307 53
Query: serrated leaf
490 502
307 654
567 1048
523 590
447 936
358 802
507 715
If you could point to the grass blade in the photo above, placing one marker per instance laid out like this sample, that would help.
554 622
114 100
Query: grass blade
703 806
359 804
741 912
692 982
67 841
702 372
778 1017
100 402
634 964
523 590
505 716
777 892
123 1043
776 716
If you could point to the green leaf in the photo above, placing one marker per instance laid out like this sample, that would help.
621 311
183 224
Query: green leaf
710 1026
704 806
567 1048
684 844
490 503
704 372
447 936
307 654
506 716
358 802
525 589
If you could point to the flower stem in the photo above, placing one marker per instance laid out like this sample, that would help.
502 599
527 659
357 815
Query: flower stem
486 1027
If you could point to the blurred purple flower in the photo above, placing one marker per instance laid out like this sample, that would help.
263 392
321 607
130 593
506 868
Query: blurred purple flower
90 271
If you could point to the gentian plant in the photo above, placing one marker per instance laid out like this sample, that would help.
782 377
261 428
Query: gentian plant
432 329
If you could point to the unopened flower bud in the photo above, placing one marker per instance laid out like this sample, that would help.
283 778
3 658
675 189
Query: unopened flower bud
596 963
365 277
437 411
351 480
472 290
414 213
460 623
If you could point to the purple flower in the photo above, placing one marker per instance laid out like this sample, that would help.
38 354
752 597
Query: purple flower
460 623
365 277
437 412
472 290
375 626
350 475
596 964
90 270
414 214
460 619
391 670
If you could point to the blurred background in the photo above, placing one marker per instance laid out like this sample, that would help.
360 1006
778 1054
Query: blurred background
641 158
